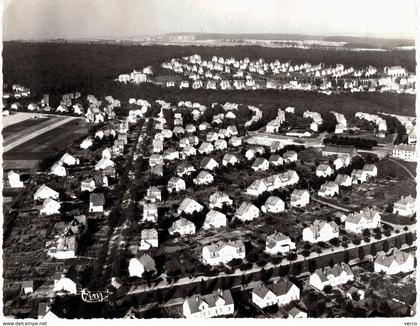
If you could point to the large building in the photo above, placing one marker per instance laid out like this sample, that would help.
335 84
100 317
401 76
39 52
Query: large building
405 152
339 151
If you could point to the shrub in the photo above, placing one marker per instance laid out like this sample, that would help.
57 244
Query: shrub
328 289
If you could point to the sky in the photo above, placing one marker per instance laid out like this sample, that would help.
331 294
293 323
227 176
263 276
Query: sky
121 19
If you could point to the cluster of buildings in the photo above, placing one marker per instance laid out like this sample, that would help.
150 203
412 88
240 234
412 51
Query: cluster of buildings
96 111
219 73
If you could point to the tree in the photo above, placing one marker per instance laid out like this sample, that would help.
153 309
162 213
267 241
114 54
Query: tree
296 269
346 257
373 251
312 266
327 289
361 253
409 238
397 243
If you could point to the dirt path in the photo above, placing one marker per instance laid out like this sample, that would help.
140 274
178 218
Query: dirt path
404 167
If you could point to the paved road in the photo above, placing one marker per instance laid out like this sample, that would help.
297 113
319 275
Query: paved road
10 144
186 280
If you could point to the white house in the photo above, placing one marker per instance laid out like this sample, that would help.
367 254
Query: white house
214 219
341 161
223 252
206 148
220 144
184 169
405 206
299 198
276 160
103 164
154 194
218 199
250 154
247 212
218 303
96 202
150 212
278 243
69 160
371 170
257 188
229 159
88 185
27 287
395 262
358 176
149 239
235 141
171 154
328 189
58 170
273 204
260 164
320 231
50 207
86 143
359 292
137 266
64 285
203 178
290 156
338 274
189 206
343 180
297 313
324 170
176 184
182 226
281 293
209 163
45 192
367 218
14 180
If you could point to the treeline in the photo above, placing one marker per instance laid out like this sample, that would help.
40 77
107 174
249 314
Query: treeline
361 143
65 67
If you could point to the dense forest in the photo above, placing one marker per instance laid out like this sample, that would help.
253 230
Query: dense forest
52 67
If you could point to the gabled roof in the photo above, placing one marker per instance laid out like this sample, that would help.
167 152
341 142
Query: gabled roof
323 167
209 299
335 271
400 257
408 200
148 262
272 201
244 208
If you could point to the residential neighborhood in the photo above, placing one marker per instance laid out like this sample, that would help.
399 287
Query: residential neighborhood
208 175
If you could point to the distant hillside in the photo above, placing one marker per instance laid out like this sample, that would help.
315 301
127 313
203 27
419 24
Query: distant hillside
368 42
266 36
352 42
58 68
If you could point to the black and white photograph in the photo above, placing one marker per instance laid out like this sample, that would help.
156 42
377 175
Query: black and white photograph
228 159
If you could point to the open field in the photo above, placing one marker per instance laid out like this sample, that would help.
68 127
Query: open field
28 154
15 118
25 126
